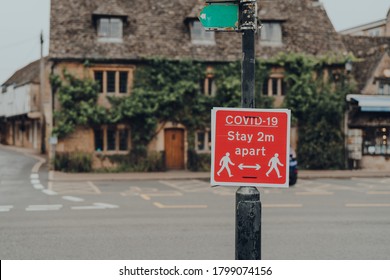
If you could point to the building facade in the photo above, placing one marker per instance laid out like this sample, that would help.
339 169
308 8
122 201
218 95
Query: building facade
379 28
116 37
368 115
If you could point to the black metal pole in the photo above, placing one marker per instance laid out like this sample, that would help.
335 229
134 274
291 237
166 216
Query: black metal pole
248 204
248 224
248 69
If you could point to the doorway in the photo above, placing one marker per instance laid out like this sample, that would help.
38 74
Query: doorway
174 148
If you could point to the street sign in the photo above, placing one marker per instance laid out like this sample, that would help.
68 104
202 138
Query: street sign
220 16
250 147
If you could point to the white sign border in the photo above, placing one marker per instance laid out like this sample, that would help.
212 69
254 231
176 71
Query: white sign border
213 131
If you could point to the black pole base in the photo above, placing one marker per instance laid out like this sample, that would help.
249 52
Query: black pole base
248 224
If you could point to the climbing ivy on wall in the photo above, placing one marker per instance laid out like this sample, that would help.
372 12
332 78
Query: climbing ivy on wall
318 105
78 99
166 90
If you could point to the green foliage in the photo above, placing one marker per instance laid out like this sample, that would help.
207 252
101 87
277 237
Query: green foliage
318 107
153 161
73 162
170 91
78 99
198 162
228 80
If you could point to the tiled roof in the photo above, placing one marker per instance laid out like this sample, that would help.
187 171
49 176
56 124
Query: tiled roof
111 8
160 28
369 50
28 74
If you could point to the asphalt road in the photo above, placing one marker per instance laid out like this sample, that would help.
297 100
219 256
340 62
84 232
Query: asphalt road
184 219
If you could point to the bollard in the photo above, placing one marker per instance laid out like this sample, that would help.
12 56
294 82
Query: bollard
248 224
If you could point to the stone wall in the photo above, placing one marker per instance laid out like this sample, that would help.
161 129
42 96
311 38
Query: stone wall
375 163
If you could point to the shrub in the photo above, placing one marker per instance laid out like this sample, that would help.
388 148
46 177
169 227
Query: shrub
198 162
73 162
133 162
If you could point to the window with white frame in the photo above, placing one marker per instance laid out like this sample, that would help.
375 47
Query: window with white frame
112 139
199 35
203 141
271 33
110 29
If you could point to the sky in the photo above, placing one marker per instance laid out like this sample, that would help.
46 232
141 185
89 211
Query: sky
22 21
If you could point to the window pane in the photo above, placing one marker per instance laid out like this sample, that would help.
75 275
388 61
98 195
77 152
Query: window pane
271 32
200 35
99 79
98 140
115 28
110 28
123 82
211 87
110 81
104 27
196 31
274 86
111 139
123 140
376 141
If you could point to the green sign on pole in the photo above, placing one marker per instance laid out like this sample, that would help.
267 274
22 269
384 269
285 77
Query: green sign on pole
220 17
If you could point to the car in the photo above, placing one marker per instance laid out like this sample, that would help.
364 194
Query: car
293 168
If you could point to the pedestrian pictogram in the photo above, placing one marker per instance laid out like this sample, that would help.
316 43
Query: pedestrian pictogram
224 163
273 164
250 147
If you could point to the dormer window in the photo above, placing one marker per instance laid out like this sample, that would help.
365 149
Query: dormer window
271 34
199 36
110 29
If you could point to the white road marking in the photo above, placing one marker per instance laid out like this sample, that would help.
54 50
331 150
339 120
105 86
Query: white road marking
95 206
50 207
6 208
106 205
38 186
36 166
35 181
73 198
34 176
49 192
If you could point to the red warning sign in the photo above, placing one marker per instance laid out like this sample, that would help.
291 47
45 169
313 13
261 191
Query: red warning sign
250 147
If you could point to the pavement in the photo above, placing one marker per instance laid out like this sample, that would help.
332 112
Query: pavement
182 174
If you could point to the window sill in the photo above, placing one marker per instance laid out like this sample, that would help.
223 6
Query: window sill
203 43
110 40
